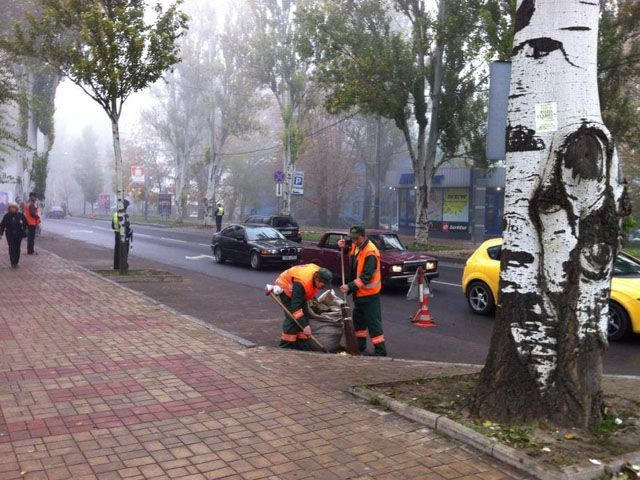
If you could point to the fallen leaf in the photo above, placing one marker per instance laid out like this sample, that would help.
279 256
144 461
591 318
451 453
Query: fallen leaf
23 472
569 436
487 423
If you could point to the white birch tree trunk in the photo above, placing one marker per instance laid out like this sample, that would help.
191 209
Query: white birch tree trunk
115 131
563 203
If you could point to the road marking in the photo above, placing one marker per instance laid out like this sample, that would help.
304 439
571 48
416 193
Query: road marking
204 244
81 231
447 283
198 257
173 240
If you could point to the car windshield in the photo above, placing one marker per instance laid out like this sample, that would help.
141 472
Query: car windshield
284 222
387 242
625 266
263 233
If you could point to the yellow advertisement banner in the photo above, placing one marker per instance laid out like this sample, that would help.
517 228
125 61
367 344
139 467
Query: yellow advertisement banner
455 205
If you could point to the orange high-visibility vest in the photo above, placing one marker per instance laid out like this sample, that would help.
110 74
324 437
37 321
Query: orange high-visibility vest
375 284
302 274
32 221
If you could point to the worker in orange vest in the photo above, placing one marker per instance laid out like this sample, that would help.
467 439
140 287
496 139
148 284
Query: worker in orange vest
365 287
299 285
31 213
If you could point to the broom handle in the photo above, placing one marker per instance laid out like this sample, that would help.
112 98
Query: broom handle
342 268
290 315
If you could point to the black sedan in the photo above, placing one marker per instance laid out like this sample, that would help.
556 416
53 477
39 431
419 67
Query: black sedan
259 246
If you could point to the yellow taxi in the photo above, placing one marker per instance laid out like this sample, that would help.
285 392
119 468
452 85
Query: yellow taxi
482 275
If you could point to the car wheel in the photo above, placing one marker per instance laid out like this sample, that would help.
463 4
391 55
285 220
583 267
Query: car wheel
618 325
256 261
480 298
217 254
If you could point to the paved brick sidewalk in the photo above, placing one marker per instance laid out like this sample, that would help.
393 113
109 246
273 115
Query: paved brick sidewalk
97 382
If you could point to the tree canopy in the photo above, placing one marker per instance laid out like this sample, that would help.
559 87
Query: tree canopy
401 61
105 47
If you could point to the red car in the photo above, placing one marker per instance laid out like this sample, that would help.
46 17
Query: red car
397 264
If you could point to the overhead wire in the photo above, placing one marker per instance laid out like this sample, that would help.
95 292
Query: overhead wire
275 146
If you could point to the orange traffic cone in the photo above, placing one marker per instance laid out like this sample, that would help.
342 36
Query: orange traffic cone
423 317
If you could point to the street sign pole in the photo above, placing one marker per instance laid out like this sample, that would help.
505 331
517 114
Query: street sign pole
146 196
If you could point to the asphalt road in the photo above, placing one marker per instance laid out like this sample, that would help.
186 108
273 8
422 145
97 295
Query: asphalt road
459 336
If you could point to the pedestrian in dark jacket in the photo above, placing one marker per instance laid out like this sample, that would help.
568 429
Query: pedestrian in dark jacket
14 224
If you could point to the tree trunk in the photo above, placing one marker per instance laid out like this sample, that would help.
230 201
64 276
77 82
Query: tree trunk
423 184
180 181
32 138
243 204
213 169
367 203
423 179
324 197
115 130
563 203
211 186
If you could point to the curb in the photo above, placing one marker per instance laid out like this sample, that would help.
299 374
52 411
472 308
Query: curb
491 447
220 331
449 259
152 224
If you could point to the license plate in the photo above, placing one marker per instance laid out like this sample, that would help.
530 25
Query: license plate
289 257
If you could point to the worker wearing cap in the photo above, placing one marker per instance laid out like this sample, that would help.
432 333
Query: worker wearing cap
299 285
121 216
365 287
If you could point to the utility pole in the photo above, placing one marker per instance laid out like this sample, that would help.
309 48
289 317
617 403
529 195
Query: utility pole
376 211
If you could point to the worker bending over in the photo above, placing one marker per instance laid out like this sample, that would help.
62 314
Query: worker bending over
299 285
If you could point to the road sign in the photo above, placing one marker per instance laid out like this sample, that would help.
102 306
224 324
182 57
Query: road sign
278 189
279 176
137 175
297 187
499 85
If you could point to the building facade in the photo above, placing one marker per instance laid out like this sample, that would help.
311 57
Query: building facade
463 203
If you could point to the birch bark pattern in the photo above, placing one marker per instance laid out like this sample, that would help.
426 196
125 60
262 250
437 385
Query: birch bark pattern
563 203
115 130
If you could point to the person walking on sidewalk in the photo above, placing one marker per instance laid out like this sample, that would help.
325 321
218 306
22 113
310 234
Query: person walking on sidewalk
219 215
299 285
30 211
14 224
365 287
121 216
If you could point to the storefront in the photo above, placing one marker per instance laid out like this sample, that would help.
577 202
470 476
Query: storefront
457 194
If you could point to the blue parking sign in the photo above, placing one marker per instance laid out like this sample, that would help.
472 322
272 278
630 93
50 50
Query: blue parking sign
297 187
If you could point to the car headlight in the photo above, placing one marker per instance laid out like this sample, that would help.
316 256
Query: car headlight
396 268
431 265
